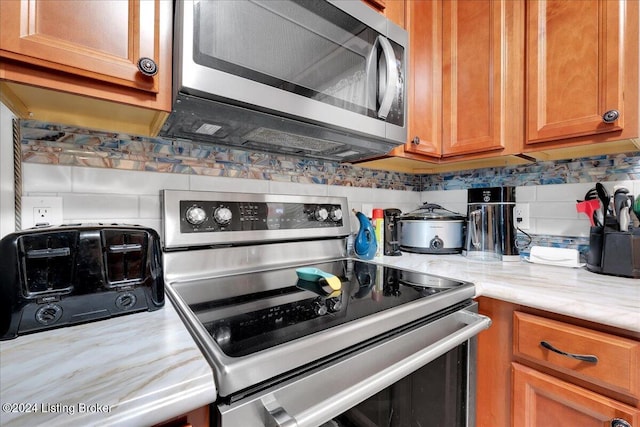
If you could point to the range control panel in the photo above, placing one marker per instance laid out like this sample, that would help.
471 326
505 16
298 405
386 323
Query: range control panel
208 216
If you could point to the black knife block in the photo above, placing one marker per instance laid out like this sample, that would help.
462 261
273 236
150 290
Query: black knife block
615 253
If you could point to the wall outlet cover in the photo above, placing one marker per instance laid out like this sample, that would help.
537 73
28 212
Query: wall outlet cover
41 211
521 216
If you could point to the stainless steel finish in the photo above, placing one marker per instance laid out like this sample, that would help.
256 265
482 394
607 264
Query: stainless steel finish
282 419
483 238
234 374
431 236
326 391
184 266
291 383
174 239
431 229
206 96
391 85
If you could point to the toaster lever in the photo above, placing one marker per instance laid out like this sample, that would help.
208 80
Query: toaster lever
48 252
120 249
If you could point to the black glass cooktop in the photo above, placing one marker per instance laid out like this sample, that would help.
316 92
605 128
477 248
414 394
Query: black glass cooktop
251 312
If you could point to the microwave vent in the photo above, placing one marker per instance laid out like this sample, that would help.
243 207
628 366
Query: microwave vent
292 141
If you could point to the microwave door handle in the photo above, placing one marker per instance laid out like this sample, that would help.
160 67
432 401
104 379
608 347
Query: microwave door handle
386 93
391 78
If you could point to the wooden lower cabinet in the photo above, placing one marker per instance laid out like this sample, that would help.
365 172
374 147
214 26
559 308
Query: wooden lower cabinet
199 417
520 384
540 400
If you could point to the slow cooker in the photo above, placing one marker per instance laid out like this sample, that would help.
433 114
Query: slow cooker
432 229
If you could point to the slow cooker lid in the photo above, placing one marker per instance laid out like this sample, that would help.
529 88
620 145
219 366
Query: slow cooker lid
432 211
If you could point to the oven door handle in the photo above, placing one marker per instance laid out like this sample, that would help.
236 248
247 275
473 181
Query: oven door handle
277 413
341 398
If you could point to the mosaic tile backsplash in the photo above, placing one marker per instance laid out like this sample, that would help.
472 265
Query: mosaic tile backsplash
66 145
48 143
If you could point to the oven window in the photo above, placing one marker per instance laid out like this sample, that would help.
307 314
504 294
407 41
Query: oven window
433 396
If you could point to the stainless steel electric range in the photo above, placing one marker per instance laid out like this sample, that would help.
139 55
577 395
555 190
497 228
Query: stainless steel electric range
389 347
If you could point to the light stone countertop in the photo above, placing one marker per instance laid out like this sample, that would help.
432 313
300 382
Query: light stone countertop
133 370
575 292
145 368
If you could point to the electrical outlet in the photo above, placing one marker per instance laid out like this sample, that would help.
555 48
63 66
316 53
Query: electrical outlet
43 215
41 211
521 216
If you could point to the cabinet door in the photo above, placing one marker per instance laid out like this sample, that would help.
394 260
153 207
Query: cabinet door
466 77
424 88
474 76
102 39
574 68
540 400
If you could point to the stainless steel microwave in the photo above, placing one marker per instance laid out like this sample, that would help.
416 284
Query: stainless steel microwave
313 78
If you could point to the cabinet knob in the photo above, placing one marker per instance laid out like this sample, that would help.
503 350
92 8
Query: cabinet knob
147 66
619 422
416 140
610 116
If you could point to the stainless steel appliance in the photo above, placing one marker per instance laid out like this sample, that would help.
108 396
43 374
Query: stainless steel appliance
389 344
491 231
431 229
58 276
391 232
316 78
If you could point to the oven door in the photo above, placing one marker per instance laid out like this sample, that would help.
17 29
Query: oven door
377 383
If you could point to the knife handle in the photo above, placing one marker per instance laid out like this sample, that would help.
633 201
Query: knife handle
624 218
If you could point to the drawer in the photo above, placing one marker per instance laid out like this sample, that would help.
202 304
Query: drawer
616 363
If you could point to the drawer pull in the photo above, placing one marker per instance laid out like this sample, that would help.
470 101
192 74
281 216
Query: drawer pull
584 357
619 422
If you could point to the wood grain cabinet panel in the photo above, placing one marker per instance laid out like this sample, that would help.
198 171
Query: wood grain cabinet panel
582 62
617 363
464 62
540 400
474 61
76 62
521 384
99 39
424 86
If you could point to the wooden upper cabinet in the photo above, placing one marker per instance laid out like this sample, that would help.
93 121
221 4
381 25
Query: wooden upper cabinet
102 40
474 52
76 62
576 67
394 10
466 90
424 86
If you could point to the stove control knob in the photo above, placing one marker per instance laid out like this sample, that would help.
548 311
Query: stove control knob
222 335
335 214
196 215
321 214
319 308
222 215
334 304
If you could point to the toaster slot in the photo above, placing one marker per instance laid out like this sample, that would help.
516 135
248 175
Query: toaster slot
47 262
125 256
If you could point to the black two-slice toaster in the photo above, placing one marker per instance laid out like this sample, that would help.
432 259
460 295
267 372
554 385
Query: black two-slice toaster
65 275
